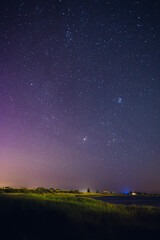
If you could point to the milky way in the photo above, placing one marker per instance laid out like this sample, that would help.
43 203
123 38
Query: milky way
79 94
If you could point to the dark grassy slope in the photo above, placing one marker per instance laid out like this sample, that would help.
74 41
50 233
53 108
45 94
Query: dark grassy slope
27 217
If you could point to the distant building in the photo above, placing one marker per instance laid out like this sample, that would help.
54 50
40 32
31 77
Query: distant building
106 192
133 193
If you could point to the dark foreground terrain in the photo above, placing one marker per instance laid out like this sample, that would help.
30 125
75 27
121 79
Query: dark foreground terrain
129 200
46 216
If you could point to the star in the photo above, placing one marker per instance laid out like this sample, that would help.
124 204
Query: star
85 139
119 100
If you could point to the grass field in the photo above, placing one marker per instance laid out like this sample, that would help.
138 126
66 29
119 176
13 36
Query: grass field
64 216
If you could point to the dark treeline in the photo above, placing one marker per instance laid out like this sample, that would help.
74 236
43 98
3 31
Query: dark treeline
36 190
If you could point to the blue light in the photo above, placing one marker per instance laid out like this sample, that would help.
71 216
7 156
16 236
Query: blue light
126 191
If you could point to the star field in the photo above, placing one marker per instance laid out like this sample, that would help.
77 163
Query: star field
79 94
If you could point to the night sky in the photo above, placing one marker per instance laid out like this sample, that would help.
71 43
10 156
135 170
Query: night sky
79 94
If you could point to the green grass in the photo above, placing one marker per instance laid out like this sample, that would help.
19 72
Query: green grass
59 216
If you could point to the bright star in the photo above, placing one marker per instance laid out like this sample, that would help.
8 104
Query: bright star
85 138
